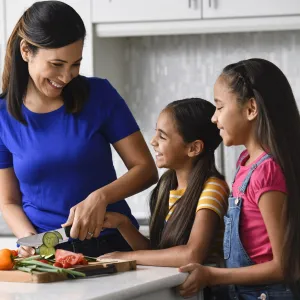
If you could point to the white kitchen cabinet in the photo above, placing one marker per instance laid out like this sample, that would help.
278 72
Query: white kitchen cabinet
249 8
2 40
104 11
14 9
124 18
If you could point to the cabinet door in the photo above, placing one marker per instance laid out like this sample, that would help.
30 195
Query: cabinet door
2 40
14 9
144 10
249 8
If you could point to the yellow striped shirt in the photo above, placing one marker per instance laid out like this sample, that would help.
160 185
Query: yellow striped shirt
214 197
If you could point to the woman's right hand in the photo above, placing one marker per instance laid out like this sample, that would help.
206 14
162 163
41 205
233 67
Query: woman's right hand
114 220
25 251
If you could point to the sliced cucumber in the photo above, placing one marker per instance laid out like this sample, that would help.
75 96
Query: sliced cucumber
58 235
50 240
44 250
48 256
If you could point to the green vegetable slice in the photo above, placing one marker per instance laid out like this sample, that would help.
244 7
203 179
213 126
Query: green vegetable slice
50 239
58 235
44 250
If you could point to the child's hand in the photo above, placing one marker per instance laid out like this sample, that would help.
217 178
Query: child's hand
112 255
114 220
25 251
116 255
198 279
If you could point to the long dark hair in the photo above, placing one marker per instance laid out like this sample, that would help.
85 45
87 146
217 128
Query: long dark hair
193 121
278 131
46 24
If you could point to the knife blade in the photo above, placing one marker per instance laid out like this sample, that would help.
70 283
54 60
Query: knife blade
36 240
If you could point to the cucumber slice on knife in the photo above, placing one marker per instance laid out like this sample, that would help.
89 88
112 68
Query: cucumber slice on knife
50 240
58 235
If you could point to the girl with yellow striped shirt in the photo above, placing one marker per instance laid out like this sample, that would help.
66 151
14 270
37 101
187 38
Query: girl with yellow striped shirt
190 199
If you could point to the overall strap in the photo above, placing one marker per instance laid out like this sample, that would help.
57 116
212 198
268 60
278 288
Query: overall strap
239 166
245 183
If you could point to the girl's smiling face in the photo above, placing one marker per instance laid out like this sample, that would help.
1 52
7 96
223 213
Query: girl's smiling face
230 117
170 150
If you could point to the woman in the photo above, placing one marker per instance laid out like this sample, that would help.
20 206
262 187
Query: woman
56 128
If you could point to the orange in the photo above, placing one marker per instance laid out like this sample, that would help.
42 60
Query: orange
6 260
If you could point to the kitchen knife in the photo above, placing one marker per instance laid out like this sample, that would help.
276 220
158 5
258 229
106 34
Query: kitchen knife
36 240
109 269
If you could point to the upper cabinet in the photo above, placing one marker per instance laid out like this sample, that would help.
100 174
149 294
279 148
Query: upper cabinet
14 10
109 11
249 8
120 18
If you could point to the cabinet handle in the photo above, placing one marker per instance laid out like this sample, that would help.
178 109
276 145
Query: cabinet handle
195 4
213 4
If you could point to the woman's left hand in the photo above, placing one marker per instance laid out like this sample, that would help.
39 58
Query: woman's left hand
87 217
117 255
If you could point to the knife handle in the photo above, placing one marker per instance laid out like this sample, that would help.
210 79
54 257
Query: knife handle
109 269
67 230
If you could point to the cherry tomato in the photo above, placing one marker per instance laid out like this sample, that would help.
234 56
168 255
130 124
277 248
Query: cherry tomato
14 253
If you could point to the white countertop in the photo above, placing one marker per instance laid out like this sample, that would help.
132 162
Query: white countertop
144 283
127 285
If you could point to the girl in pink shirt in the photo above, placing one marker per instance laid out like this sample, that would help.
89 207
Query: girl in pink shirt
255 107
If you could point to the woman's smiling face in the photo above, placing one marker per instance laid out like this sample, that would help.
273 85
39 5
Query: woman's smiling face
50 70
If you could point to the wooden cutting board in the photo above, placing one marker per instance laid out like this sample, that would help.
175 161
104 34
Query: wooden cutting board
103 267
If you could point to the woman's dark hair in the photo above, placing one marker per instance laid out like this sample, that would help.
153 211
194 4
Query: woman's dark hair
48 25
278 131
193 121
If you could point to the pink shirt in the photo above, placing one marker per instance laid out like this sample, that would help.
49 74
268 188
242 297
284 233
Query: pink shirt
266 177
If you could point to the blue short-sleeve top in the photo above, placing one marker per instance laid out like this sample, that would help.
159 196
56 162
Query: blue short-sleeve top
60 158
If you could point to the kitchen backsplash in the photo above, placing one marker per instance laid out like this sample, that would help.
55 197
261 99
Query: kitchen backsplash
166 68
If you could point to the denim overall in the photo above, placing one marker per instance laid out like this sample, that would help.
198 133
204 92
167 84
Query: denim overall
236 256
